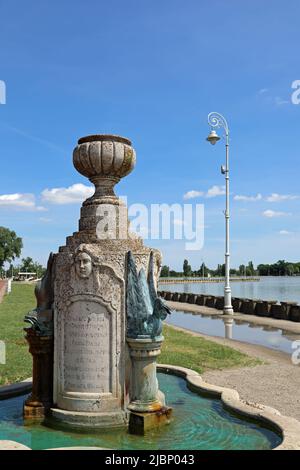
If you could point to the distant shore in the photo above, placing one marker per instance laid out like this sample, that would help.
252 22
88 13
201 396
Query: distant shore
180 280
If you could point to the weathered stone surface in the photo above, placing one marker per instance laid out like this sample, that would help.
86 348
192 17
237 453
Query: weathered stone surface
140 423
144 394
192 298
200 300
40 400
278 311
248 306
236 304
294 314
169 296
210 302
92 368
219 303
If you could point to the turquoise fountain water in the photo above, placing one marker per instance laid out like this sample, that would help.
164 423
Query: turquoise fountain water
199 423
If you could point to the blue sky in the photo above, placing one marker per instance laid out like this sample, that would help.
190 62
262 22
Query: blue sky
152 71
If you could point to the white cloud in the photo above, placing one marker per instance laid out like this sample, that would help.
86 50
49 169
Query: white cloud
192 194
211 192
46 220
263 90
20 201
270 214
285 232
238 197
280 101
281 197
73 194
215 191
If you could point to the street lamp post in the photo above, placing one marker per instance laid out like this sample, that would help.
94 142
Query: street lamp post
216 120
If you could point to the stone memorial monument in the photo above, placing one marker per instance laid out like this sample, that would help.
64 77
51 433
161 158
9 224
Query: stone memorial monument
100 320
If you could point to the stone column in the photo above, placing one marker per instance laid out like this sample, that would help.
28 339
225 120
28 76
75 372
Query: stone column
147 403
144 396
40 401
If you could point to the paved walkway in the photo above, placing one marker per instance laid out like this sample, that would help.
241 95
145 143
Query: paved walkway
275 383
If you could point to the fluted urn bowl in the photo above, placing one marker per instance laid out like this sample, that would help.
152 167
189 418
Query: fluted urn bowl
104 159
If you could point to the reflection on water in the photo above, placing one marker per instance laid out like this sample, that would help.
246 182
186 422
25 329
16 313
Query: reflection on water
239 330
281 288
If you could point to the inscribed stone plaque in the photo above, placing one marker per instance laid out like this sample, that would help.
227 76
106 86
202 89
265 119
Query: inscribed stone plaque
87 348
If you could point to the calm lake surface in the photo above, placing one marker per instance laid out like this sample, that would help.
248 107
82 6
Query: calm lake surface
281 288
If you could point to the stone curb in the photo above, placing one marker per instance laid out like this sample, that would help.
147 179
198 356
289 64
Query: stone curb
288 428
16 389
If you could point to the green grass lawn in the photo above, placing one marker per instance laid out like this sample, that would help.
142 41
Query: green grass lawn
179 348
12 310
183 349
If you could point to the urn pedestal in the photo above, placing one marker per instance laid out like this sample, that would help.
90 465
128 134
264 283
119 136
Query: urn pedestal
147 403
40 400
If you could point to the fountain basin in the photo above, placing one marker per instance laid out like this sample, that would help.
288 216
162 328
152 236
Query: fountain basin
199 422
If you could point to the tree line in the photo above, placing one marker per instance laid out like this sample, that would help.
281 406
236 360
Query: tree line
280 268
10 248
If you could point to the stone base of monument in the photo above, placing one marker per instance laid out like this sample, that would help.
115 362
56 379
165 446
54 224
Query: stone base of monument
86 422
140 423
34 410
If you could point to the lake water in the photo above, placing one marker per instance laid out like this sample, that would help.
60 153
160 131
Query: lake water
269 337
281 288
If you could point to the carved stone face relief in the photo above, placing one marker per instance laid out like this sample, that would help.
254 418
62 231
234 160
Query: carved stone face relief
83 265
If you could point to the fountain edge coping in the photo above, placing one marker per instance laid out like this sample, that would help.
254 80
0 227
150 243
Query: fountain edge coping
288 428
15 389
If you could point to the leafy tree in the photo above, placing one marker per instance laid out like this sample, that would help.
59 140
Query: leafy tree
281 267
289 269
187 270
10 245
242 270
30 266
203 271
175 274
250 271
219 270
165 271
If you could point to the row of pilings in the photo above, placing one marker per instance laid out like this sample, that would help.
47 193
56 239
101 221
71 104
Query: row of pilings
262 308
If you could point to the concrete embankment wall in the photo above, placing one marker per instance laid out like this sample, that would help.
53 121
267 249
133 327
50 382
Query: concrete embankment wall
261 308
3 288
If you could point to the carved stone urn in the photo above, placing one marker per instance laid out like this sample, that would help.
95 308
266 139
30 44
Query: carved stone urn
104 160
